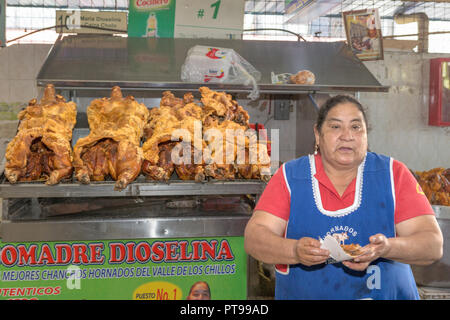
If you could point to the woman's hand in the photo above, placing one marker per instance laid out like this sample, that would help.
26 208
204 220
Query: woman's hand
378 247
309 253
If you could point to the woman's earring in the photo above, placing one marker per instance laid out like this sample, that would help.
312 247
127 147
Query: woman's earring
316 149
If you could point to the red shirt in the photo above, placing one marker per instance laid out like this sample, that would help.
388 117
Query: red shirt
410 201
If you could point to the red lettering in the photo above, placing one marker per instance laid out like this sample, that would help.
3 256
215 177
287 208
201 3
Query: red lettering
158 251
143 252
183 251
150 3
79 253
209 249
117 252
27 257
162 294
195 250
171 250
225 251
46 256
9 255
96 252
130 246
63 253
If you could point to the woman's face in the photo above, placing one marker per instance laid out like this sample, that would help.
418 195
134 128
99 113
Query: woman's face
343 136
199 292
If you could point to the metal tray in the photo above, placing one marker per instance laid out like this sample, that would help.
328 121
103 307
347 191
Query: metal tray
140 187
133 222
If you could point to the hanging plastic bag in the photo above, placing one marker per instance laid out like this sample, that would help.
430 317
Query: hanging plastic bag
219 65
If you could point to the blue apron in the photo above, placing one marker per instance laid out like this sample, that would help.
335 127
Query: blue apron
372 212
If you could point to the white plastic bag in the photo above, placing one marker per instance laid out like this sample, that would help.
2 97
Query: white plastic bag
219 65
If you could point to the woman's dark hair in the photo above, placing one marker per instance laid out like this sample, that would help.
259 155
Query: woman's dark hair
333 102
198 282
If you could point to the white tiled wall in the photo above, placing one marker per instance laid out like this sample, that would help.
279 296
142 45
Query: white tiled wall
19 66
399 118
260 112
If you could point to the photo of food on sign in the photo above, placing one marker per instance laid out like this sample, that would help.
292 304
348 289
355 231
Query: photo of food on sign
364 33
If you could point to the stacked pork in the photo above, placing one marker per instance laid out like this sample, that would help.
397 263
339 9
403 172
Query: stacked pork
210 138
435 183
112 147
41 149
198 140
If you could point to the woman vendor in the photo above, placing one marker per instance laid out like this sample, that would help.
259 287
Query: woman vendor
357 196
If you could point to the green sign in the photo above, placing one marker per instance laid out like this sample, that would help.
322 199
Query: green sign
2 23
140 269
151 18
221 19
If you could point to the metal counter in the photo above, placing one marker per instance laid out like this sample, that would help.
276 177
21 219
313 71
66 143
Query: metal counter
136 212
145 220
97 61
138 188
437 275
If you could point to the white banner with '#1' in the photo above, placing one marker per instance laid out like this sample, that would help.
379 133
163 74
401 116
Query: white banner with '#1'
215 19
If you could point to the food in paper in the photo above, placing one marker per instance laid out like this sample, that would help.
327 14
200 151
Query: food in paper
303 77
337 252
353 249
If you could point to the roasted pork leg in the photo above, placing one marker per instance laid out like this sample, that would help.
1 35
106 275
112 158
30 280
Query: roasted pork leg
112 147
41 149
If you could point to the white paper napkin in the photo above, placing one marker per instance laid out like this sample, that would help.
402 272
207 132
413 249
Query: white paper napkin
336 252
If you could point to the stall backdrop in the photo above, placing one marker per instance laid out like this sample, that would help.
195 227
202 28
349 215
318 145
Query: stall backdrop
219 19
138 269
398 118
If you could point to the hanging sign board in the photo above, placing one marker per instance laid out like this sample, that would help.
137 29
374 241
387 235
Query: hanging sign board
77 21
151 18
363 30
220 19
2 23
136 269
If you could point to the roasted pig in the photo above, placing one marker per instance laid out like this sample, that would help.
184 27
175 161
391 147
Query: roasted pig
112 147
435 184
220 106
202 139
169 133
41 149
249 159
